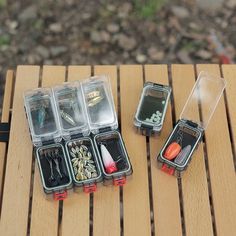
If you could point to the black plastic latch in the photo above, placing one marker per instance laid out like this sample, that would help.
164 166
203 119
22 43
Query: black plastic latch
105 129
48 142
146 129
4 132
195 125
153 84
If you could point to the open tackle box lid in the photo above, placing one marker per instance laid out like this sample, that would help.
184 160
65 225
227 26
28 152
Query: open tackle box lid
41 115
99 104
71 110
206 93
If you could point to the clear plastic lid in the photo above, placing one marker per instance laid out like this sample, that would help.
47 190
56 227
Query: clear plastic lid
41 114
99 103
70 109
152 105
206 93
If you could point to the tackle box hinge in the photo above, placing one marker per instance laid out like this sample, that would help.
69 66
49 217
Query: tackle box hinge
60 196
106 129
153 84
75 136
191 123
194 125
4 132
119 181
48 142
90 188
167 169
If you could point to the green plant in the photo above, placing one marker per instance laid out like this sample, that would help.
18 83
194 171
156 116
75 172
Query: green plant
4 40
3 3
148 8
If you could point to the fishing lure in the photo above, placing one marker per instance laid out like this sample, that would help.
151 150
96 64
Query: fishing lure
174 148
172 151
183 155
41 117
95 101
109 163
68 118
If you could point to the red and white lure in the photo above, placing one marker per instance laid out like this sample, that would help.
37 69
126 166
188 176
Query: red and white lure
109 163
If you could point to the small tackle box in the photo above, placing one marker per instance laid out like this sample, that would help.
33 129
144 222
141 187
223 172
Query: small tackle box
103 124
151 111
177 152
73 127
45 134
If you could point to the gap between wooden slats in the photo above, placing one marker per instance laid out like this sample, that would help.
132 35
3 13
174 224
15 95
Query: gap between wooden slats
166 205
221 166
19 159
76 209
106 205
135 193
196 205
45 212
229 73
5 118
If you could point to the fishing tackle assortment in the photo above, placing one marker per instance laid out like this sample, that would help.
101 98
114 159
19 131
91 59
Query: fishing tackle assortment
41 114
108 142
151 111
176 154
53 167
74 129
113 157
83 163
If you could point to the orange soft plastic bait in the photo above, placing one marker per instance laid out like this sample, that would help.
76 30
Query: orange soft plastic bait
172 151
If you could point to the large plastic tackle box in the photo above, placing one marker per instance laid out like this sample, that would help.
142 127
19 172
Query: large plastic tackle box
178 150
74 130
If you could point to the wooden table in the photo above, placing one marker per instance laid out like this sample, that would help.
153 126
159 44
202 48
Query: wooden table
152 203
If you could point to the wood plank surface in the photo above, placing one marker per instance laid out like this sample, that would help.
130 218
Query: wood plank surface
229 73
166 205
221 166
75 218
5 118
106 205
16 192
136 213
197 213
135 192
45 212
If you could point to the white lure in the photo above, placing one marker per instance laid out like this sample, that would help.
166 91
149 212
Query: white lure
109 163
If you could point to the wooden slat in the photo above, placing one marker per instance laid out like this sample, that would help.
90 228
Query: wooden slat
19 160
196 203
135 195
75 218
5 118
229 73
166 204
221 166
106 207
45 212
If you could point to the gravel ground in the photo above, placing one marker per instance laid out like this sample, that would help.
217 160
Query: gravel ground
112 32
